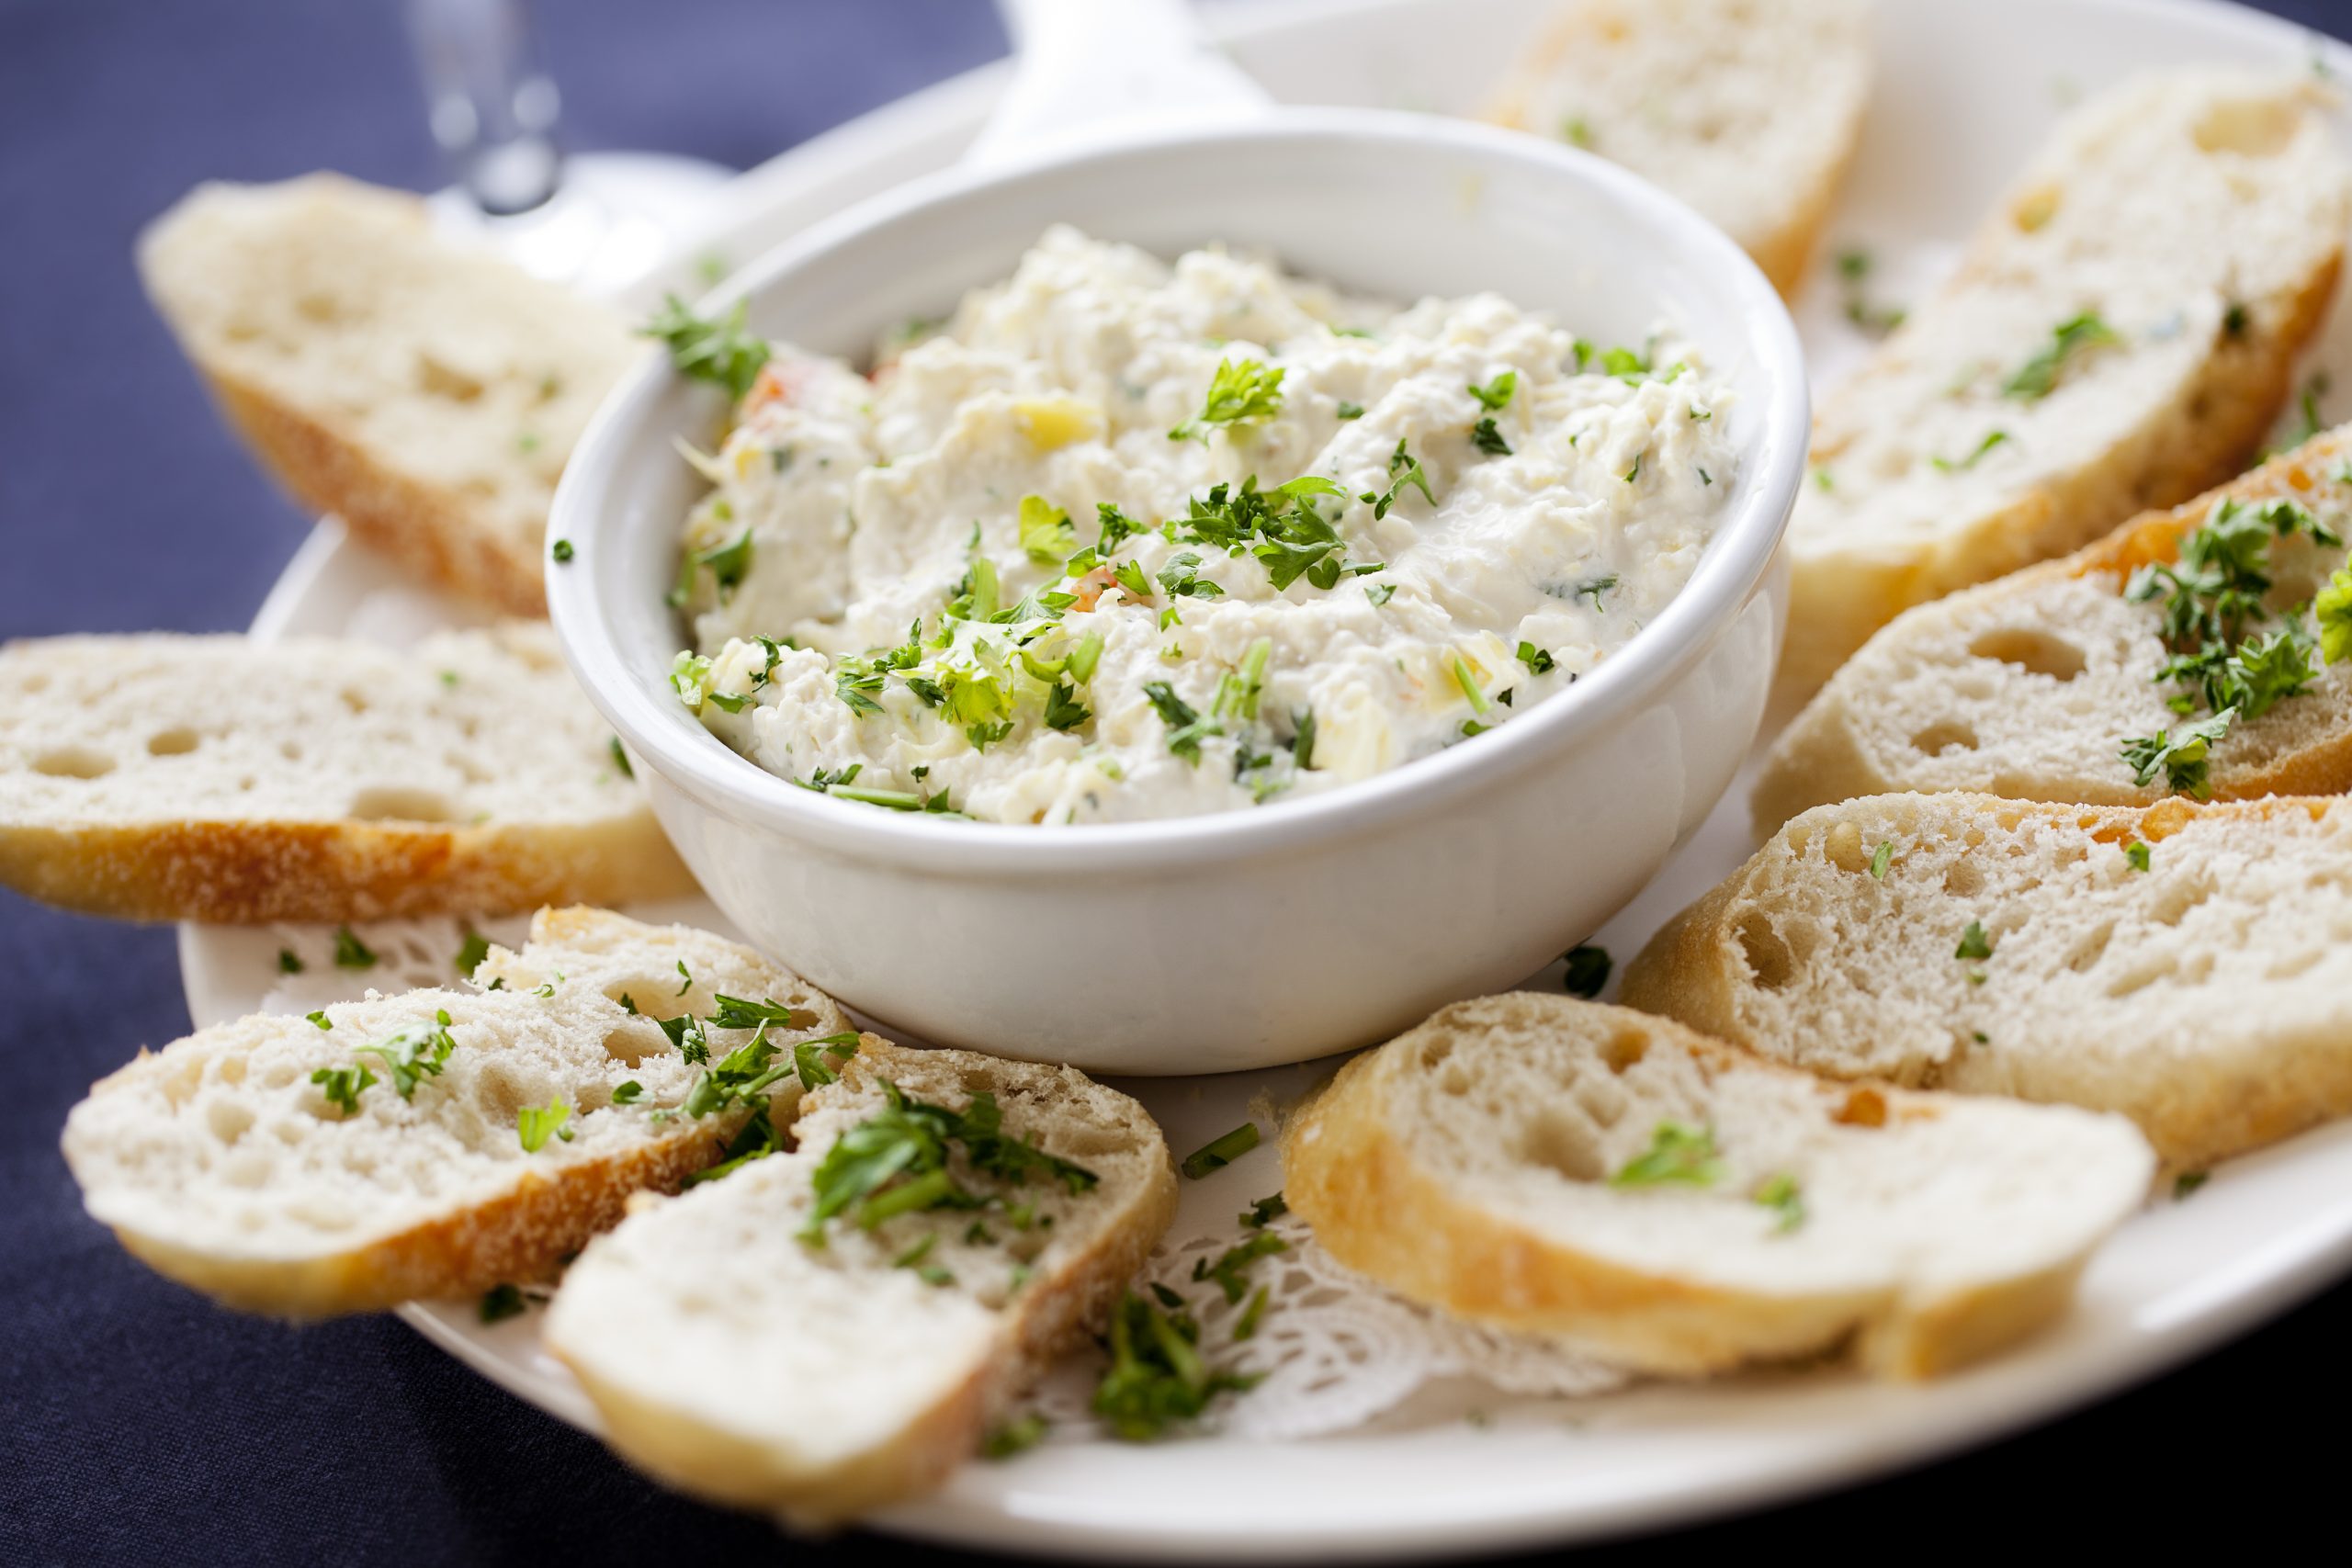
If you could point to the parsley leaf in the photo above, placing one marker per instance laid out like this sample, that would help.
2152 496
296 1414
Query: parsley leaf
2038 376
1677 1154
1226 1272
1157 1377
534 1124
344 1085
1537 661
2182 758
350 952
501 1302
1973 943
1588 970
1780 1194
1047 534
734 1012
1220 1152
1241 392
471 952
719 352
628 1093
1495 396
1263 1212
415 1053
1186 727
1881 858
288 963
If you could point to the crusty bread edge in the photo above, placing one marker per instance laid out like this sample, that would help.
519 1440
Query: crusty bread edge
245 872
523 1234
1348 1173
1839 600
1688 972
1817 758
424 527
725 1468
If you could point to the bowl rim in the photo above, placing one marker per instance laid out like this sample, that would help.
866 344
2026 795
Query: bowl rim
1729 572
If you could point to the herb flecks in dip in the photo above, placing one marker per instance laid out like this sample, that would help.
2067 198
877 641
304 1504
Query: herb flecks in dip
1128 540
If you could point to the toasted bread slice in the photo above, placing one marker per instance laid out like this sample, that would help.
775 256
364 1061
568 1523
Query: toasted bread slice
214 778
2119 336
1563 1168
2029 685
1747 109
734 1358
2205 997
222 1162
425 393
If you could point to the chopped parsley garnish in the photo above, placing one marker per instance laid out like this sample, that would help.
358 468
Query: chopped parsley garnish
2038 376
1881 858
895 1162
1047 536
1221 1152
1404 469
1973 943
807 1063
1302 740
1596 588
1186 727
2135 855
1263 1212
914 1257
2183 759
319 1016
1853 269
344 1085
412 1054
728 562
2333 610
1158 1376
2187 1182
471 952
719 352
734 1012
534 1124
1588 970
288 963
1487 439
350 952
1496 395
1226 1272
501 1302
1948 466
1379 592
1241 392
1677 1155
562 548
1780 1194
628 1093
1576 131
1350 411
620 759
1537 661
1015 1437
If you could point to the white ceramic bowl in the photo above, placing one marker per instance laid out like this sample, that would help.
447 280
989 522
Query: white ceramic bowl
1248 939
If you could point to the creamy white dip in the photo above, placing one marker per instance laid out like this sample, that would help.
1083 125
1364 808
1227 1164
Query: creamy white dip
1000 577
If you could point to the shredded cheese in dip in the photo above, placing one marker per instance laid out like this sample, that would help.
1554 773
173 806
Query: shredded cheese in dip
1130 540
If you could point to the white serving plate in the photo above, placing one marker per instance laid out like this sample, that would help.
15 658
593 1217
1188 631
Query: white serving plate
1964 94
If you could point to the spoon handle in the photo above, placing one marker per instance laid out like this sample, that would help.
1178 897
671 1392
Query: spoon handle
1082 64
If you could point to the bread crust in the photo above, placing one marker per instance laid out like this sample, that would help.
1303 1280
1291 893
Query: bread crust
1350 1170
737 1470
427 530
1821 757
237 871
1837 600
2224 1104
523 1234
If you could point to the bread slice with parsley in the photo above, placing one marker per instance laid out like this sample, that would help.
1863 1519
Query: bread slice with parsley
1747 109
2120 336
215 778
425 393
441 1141
799 1341
2187 967
1561 1167
2035 684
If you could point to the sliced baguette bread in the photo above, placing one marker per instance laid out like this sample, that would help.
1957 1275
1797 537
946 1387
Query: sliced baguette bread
735 1357
427 393
214 778
1567 1168
224 1163
1747 109
2208 997
2029 685
2120 335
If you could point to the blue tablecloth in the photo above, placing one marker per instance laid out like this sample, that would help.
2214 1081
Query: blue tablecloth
140 1425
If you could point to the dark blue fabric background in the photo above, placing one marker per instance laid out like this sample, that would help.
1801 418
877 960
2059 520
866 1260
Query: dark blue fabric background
140 1425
